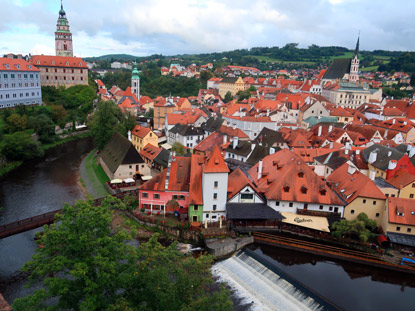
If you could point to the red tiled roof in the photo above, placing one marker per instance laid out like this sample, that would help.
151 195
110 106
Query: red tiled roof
195 191
150 152
405 207
140 131
58 61
8 64
232 132
216 163
210 142
284 170
351 186
127 103
99 82
401 179
237 180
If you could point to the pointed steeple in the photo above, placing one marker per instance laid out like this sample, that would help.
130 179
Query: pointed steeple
356 50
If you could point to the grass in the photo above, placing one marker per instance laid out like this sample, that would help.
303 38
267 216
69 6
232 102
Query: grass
370 68
274 60
96 175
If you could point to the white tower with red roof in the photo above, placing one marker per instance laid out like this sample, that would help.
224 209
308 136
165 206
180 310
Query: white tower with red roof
215 187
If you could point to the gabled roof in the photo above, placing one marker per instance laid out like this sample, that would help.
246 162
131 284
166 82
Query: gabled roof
259 153
119 151
140 131
8 64
268 137
237 180
401 179
251 211
150 152
243 148
286 177
350 186
404 207
58 61
196 170
338 68
212 124
215 163
384 155
232 132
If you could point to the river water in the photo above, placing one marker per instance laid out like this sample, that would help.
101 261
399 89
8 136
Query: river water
37 187
46 184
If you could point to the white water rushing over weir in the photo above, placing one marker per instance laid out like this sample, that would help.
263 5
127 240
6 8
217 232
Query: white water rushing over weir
256 283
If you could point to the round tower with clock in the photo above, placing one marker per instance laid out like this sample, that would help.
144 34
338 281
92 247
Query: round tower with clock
63 36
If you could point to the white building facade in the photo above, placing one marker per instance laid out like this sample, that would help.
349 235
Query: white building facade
19 83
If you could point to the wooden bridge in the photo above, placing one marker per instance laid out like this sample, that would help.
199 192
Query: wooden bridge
330 251
27 224
46 218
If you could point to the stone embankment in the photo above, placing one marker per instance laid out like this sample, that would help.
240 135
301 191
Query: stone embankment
225 248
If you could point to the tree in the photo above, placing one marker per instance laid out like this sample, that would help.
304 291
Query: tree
105 122
228 97
205 75
359 228
15 123
20 146
44 128
87 265
59 114
178 148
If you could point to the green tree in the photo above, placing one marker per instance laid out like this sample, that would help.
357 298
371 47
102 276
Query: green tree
59 114
44 128
178 148
205 75
106 120
85 264
15 123
228 97
20 146
359 228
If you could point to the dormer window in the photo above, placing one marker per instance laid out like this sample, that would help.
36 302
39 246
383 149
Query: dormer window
7 66
53 62
67 63
323 192
38 62
303 190
30 67
286 189
300 174
18 66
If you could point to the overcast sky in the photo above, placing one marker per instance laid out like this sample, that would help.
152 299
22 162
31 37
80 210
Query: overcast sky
169 27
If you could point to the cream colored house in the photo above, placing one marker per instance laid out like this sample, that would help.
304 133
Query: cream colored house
232 85
399 216
141 136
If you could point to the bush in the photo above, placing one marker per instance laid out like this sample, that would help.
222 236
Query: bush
142 209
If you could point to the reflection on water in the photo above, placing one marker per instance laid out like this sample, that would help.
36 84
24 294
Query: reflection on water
37 187
348 285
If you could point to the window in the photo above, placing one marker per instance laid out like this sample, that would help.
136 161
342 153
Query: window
303 190
398 228
175 197
321 207
214 217
277 203
364 200
247 196
413 185
286 189
181 197
207 215
377 214
215 196
129 166
331 208
214 207
195 207
145 195
301 174
215 184
291 204
411 196
408 230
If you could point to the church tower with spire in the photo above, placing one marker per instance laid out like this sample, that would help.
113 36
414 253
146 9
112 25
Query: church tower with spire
135 82
354 65
63 36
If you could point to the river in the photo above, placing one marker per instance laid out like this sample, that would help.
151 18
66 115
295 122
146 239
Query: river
46 184
36 187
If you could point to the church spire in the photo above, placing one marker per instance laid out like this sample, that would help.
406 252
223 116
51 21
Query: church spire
356 50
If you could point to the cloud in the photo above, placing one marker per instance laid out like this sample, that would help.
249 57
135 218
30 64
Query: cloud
195 26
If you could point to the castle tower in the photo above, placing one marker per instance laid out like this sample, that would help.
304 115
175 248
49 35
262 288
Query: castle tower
135 82
63 36
354 66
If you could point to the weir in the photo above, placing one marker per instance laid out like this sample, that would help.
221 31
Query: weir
268 287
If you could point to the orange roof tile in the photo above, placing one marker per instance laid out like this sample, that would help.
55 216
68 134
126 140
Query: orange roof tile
216 163
58 61
140 131
150 152
350 186
404 207
8 64
237 180
195 191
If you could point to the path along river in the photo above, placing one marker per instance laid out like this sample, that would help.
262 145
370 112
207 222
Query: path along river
46 184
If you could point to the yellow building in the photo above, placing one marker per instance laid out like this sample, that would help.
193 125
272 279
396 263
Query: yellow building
361 194
141 136
232 85
405 183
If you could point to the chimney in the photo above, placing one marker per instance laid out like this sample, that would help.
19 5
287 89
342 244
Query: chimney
331 145
225 139
393 121
330 128
267 112
372 157
129 136
372 175
252 147
320 130
271 150
346 151
357 151
259 169
351 169
389 153
235 142
412 152
392 164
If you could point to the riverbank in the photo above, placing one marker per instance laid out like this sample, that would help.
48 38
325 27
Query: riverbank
92 177
8 167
